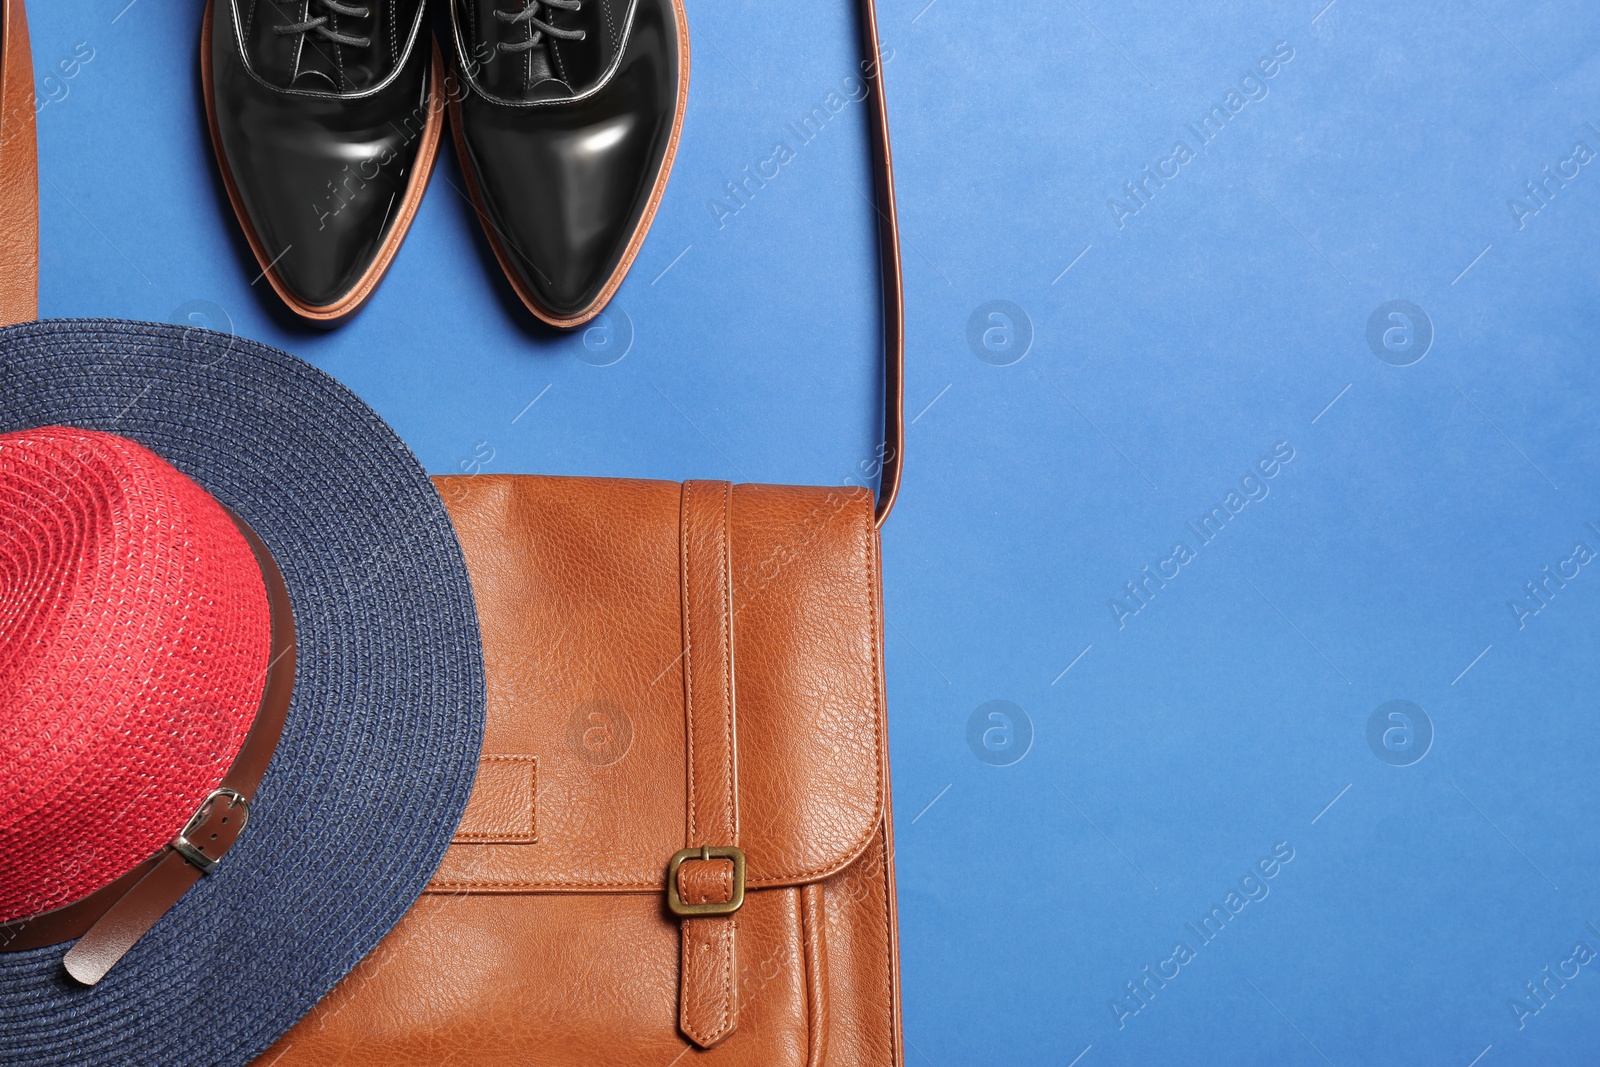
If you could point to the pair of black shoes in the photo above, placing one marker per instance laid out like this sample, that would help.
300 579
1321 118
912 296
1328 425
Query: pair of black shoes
326 116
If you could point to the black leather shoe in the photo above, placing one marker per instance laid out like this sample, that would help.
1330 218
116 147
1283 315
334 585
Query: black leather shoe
567 118
326 117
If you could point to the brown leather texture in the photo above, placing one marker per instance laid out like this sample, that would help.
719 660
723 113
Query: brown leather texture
617 617
19 171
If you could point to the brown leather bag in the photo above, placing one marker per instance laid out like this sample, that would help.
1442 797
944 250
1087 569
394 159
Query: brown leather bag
678 847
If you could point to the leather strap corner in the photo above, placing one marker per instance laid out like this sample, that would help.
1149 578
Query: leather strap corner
708 1003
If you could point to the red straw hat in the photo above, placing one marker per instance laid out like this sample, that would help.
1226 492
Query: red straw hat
165 495
134 641
136 635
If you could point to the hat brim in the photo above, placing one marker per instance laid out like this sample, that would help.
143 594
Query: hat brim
382 738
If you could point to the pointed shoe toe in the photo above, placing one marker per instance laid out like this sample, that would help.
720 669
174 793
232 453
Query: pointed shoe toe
325 148
567 130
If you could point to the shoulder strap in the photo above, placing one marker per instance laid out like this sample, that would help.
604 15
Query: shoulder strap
19 171
19 218
894 304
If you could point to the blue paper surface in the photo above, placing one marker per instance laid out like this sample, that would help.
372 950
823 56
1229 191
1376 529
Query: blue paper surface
1304 288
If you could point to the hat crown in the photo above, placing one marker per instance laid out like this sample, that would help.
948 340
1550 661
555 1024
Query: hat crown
135 635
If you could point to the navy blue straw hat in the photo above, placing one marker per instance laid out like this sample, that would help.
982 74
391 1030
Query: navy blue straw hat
383 730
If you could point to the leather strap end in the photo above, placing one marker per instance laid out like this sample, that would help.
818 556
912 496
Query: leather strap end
708 1008
129 919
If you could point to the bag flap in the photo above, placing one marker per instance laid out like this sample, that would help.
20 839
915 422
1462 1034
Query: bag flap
583 782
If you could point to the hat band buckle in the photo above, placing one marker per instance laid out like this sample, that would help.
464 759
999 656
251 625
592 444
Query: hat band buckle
224 826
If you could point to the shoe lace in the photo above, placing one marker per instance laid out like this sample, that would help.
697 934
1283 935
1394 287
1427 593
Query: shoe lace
530 15
319 24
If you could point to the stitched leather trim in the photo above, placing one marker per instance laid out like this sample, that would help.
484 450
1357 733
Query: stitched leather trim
709 882
504 806
891 980
814 937
708 1001
713 815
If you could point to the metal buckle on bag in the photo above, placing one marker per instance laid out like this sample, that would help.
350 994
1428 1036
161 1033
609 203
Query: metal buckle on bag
224 834
675 902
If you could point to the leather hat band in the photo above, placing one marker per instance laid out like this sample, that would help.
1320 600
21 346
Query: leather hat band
109 921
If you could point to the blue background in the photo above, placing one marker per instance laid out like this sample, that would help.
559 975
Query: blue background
1229 313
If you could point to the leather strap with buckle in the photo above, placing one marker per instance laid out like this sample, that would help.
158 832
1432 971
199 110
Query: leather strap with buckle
705 882
109 921
720 891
